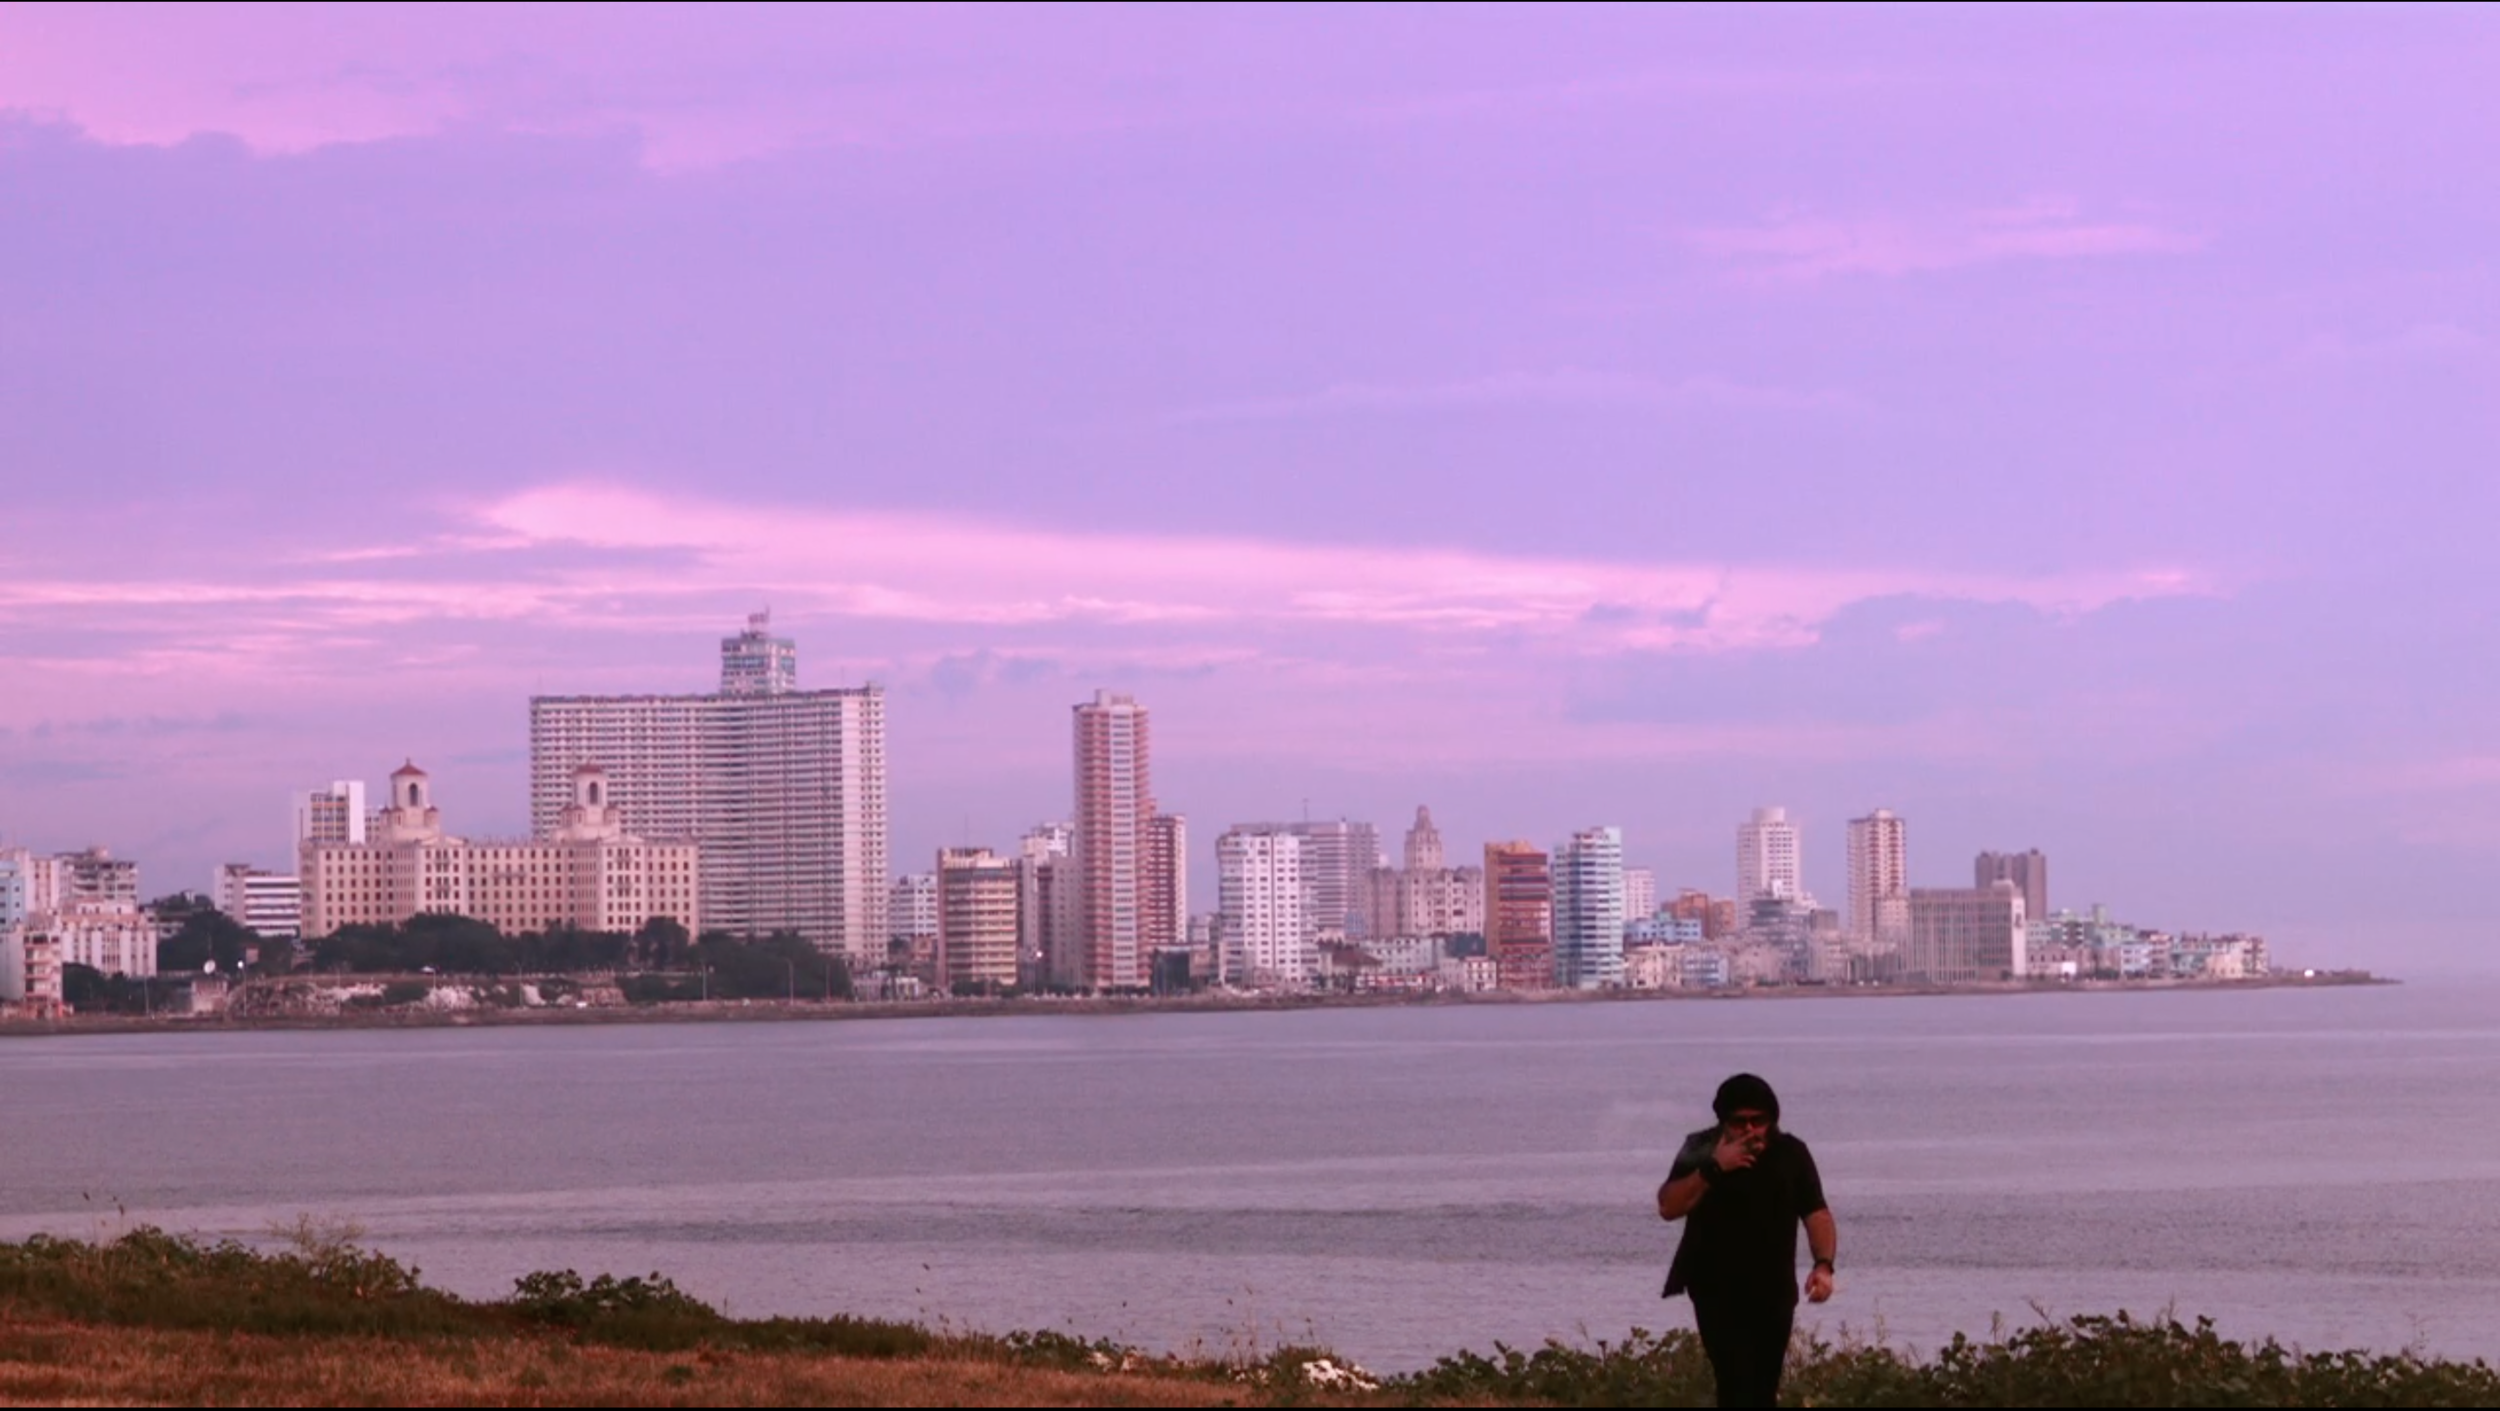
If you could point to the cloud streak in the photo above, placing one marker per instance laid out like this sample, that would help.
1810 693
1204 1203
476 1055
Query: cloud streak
1800 246
1557 387
600 556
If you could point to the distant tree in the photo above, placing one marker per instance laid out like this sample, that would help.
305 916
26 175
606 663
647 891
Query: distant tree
84 987
277 956
206 934
661 943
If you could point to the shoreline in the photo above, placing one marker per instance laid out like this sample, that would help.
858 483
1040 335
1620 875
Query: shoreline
818 1011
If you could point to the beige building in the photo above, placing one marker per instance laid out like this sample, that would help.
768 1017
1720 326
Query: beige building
977 913
1964 936
30 971
1426 898
589 873
1879 879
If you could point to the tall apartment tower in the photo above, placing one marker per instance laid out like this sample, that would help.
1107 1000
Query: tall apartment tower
1766 858
1167 884
2028 871
1879 877
335 815
783 790
1519 915
1640 894
1046 908
1267 938
1119 920
757 663
1588 910
1338 859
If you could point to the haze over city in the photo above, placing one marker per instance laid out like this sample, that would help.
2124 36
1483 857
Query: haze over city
2067 430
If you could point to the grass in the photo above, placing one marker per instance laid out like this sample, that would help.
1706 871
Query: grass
152 1317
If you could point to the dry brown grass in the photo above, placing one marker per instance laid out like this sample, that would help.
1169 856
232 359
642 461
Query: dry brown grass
53 1363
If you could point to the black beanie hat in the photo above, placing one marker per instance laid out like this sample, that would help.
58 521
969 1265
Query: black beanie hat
1745 1092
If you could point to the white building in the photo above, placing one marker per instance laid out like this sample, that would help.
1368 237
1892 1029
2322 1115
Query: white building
783 790
266 903
1766 858
590 874
1879 878
1338 858
335 815
1588 910
1268 938
1640 894
911 909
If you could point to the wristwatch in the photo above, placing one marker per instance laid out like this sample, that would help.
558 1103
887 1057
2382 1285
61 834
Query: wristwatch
1826 1266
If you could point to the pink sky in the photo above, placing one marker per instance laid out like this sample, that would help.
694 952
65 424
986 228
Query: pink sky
2069 429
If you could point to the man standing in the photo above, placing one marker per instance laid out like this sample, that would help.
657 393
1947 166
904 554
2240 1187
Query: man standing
1745 1185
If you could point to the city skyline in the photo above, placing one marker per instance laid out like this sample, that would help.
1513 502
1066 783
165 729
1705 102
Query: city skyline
1624 421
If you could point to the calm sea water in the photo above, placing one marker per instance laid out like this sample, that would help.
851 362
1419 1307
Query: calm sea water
2321 1165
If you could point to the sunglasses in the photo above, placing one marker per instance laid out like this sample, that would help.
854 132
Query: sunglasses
1749 1119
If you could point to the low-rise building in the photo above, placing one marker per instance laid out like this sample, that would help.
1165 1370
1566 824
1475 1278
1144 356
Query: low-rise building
30 971
266 903
590 874
976 906
1649 965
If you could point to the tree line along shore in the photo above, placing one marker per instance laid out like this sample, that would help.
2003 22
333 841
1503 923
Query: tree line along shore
308 1316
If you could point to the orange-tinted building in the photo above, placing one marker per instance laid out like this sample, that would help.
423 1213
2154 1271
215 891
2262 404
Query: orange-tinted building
1519 915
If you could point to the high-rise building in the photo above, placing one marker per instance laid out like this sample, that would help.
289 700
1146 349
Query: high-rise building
1046 908
1427 898
1423 843
1961 937
587 874
757 663
911 911
1519 915
268 903
1879 873
1119 919
976 896
1167 883
1766 858
1588 910
1338 858
783 789
2028 871
332 815
1267 940
1640 894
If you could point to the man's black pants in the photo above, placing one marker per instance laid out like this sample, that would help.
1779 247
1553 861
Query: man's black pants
1747 1339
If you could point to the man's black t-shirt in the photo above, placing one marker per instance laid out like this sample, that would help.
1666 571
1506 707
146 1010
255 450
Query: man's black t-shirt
1741 1240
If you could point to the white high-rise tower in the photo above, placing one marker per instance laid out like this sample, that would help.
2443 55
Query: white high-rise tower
1588 910
1766 858
783 789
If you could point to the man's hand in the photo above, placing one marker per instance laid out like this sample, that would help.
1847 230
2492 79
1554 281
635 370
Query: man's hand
1818 1285
1734 1152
